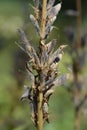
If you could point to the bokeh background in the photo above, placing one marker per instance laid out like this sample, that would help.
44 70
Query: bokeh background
14 114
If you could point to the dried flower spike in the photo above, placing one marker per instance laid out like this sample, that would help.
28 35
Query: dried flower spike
42 66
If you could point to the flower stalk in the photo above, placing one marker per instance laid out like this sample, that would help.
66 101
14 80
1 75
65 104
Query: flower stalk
42 66
40 112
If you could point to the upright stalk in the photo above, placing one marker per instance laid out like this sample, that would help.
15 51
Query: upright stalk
77 111
42 66
40 100
77 120
40 112
78 4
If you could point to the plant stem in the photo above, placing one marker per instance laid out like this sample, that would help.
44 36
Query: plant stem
76 79
40 95
77 120
43 20
40 112
78 4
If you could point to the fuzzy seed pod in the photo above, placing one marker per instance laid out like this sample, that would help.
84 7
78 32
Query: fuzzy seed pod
50 4
54 11
35 23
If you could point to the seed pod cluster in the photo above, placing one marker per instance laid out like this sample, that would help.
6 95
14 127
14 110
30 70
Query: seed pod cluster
42 66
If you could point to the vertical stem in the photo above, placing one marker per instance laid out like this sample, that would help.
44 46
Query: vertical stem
77 111
40 112
77 120
40 96
78 4
43 20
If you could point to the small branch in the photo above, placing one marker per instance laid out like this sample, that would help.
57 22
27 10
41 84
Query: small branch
43 20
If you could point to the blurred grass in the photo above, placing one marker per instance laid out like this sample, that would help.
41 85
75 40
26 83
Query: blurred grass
10 18
10 8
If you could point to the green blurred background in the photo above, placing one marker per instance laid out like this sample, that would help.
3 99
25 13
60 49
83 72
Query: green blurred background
15 115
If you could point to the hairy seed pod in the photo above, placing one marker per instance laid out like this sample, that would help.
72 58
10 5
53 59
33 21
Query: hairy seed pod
48 93
49 28
50 4
50 46
54 11
51 21
56 53
45 107
26 93
56 61
35 23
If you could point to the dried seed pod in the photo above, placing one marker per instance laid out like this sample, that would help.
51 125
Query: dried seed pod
18 44
32 108
50 4
26 93
50 80
45 111
35 23
50 46
38 4
44 55
48 93
49 28
45 107
56 53
23 37
56 61
37 61
51 21
59 50
32 77
54 11
62 80
28 48
26 43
